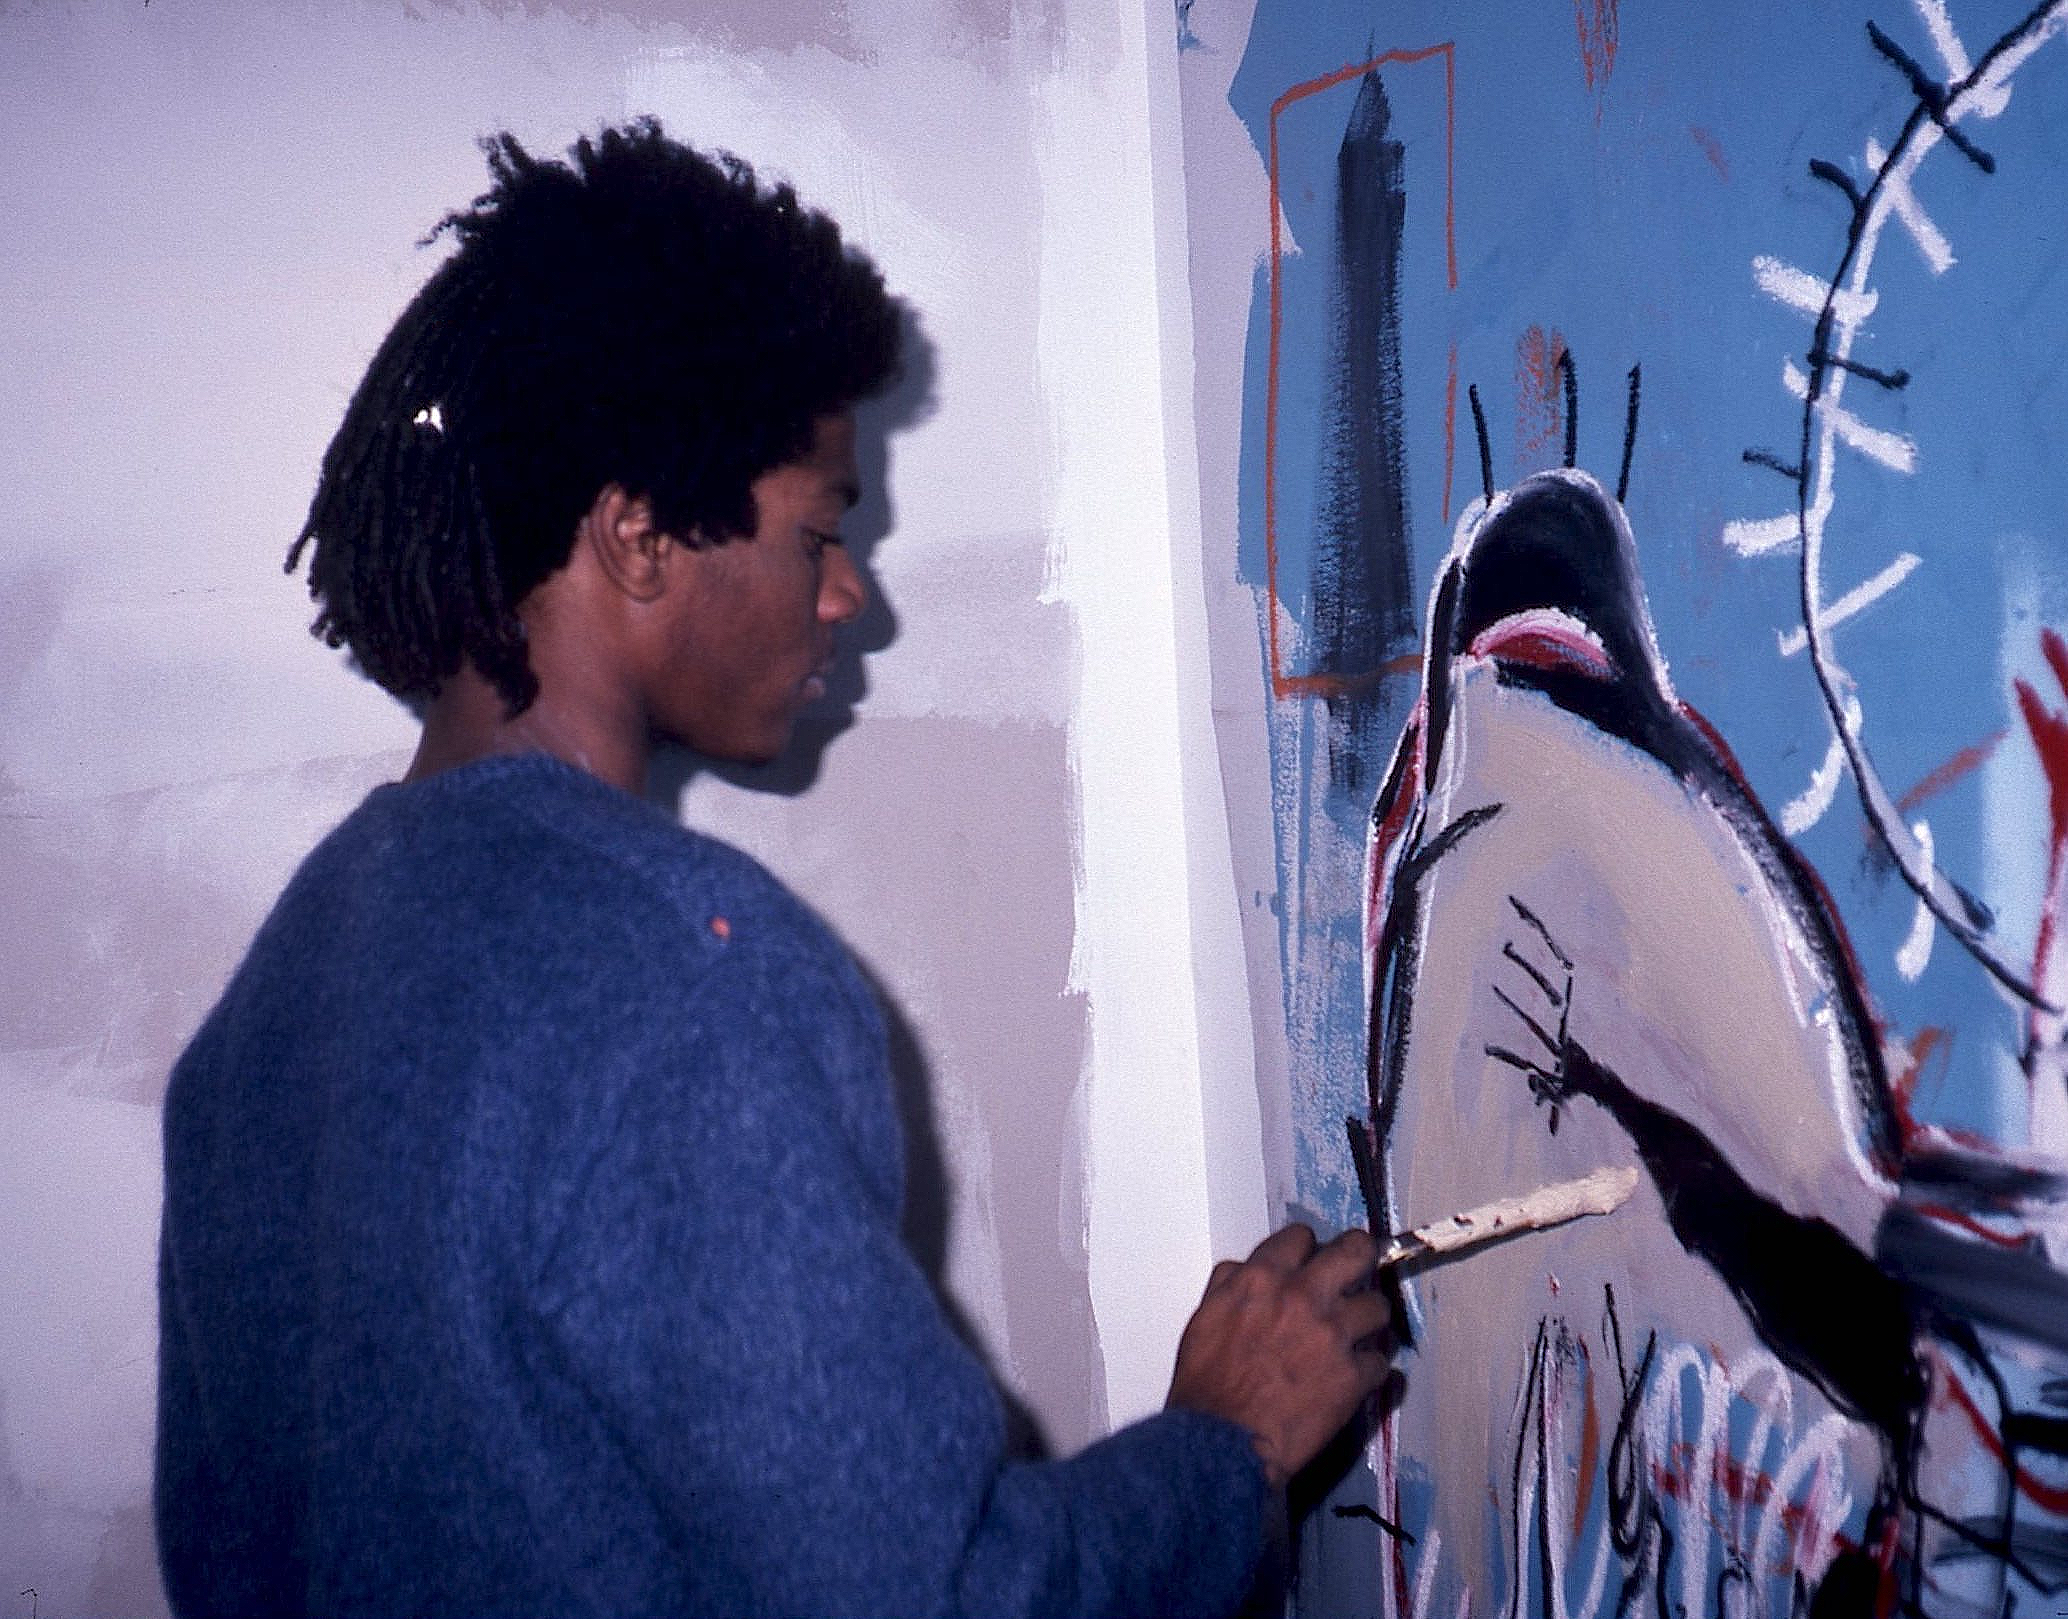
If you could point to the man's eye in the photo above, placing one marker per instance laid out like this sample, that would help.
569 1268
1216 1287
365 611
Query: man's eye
820 539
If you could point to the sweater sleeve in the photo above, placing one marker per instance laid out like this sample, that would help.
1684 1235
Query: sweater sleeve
729 1293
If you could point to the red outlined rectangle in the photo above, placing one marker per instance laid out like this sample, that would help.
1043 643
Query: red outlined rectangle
1283 684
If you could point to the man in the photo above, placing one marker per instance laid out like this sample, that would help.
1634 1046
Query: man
532 1194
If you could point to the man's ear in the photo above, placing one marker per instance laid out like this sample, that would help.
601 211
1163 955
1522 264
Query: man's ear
619 531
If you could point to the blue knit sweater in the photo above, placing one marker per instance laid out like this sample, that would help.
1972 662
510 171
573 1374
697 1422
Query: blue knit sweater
530 1246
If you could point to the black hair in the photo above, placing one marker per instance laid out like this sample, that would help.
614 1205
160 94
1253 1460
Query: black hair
641 315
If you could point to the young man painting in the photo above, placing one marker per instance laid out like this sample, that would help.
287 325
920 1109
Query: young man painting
532 1194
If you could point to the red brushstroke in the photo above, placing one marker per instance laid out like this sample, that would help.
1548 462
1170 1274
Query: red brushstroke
1536 644
1391 823
1283 684
1969 1224
2050 740
1590 1437
2048 1497
1539 397
1739 1484
1596 20
1938 780
1712 149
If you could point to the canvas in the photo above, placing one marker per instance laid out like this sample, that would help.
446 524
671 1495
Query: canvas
1651 499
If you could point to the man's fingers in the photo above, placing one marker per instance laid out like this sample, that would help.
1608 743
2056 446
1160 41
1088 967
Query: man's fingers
1363 1315
1286 1249
1344 1263
1222 1274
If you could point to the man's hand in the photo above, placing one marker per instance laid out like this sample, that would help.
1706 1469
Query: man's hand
1286 1344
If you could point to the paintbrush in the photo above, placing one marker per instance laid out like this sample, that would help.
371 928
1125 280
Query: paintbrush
1602 1192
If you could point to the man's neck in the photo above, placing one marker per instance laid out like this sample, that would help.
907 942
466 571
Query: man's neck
469 720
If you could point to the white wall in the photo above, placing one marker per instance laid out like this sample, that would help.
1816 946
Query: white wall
209 216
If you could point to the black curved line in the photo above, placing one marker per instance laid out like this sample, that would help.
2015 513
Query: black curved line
1629 438
1486 449
1572 405
1933 95
1824 169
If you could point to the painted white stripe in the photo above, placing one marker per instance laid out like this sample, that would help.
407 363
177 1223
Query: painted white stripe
1892 450
1984 103
1916 950
1757 536
1425 1576
1801 291
1860 597
1903 203
1807 807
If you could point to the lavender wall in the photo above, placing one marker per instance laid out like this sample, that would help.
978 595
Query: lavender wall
210 210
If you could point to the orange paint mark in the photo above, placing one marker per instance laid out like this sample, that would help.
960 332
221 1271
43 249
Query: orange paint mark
1539 398
1596 20
721 927
1590 1439
1712 149
1945 775
1282 684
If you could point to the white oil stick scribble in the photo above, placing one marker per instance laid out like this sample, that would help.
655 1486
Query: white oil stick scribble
1891 450
1931 241
1853 602
1807 807
1839 305
1916 950
1757 536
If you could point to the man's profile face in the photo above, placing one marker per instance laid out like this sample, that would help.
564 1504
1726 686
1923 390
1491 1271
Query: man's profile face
750 636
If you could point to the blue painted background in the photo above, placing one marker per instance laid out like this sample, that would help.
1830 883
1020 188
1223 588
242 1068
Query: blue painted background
1625 216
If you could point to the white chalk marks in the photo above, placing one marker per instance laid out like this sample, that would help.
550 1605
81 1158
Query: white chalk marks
1962 90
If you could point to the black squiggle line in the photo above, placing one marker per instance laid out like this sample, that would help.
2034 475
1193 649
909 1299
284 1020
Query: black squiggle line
1773 463
1486 449
1831 173
1629 438
1891 380
1933 96
1572 405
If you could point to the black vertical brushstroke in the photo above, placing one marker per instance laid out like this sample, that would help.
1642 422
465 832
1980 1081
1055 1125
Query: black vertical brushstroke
1629 436
1363 611
1486 448
1571 379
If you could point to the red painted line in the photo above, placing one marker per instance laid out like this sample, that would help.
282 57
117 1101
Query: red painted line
2046 1496
1938 780
1967 1223
1450 164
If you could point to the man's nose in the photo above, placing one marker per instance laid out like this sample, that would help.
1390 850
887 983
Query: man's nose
843 593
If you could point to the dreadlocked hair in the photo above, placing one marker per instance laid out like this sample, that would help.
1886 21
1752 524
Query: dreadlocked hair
640 315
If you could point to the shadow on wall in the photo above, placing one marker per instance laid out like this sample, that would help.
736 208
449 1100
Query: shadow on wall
928 1190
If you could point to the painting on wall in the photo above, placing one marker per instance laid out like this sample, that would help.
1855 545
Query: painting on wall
1655 495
